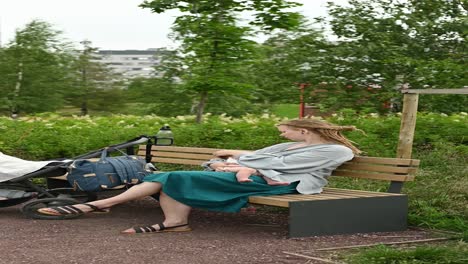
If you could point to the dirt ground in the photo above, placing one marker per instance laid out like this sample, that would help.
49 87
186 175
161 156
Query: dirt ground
246 237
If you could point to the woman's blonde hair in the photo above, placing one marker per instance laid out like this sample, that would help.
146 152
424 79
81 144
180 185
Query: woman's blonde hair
326 130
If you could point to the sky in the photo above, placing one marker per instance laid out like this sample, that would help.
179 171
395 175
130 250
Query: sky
108 24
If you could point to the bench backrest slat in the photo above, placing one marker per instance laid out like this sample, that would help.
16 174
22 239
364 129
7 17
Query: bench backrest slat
389 169
388 161
189 156
177 161
180 149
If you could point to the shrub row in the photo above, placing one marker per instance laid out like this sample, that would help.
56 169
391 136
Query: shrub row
51 136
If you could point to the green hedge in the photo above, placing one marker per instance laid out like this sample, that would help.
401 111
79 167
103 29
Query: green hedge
52 136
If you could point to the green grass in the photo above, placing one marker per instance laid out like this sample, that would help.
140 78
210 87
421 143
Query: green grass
286 110
453 253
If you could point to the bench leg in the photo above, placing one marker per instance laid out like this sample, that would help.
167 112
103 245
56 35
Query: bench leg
345 216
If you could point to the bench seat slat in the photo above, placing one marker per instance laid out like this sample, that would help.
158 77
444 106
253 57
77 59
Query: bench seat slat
349 195
375 176
357 192
305 197
285 199
267 200
282 201
334 193
377 168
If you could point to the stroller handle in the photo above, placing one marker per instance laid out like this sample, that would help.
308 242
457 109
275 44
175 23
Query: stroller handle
93 154
139 140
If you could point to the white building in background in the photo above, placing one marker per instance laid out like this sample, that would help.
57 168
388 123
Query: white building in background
131 63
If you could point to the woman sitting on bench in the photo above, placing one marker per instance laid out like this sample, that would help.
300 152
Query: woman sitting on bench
317 149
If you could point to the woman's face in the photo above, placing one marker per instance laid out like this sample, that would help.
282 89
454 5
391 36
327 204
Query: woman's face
293 134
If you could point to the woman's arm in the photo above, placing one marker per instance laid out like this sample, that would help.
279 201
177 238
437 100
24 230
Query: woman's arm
225 153
298 161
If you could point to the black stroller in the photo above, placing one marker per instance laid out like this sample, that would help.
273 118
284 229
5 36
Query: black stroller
55 192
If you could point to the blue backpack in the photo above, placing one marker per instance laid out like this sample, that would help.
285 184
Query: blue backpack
107 172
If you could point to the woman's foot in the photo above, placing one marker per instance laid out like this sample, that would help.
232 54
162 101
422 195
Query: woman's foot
76 209
157 228
273 182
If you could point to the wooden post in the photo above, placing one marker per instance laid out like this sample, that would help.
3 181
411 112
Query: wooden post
408 125
408 119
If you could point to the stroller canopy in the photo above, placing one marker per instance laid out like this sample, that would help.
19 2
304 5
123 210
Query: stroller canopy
12 167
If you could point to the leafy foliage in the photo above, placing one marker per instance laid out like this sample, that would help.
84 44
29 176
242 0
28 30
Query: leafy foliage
375 48
391 42
34 70
94 85
215 47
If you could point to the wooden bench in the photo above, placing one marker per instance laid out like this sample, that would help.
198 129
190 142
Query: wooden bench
334 211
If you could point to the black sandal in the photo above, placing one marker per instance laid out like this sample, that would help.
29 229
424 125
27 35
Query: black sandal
71 210
162 228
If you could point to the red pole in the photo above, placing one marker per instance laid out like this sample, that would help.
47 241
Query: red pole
301 100
302 87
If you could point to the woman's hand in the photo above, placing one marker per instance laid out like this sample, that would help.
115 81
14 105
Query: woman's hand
216 166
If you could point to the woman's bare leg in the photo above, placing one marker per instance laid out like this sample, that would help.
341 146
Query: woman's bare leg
175 214
136 192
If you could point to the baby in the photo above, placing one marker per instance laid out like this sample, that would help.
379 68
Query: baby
243 173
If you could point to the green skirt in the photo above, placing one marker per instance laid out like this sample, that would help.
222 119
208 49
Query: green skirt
214 191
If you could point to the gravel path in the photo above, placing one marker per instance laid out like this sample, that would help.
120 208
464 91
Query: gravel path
246 237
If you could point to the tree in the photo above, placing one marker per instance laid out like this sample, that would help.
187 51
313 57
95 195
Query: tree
34 70
158 96
94 84
215 46
385 43
286 60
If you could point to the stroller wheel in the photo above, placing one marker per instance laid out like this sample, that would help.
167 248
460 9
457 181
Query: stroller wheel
30 208
70 193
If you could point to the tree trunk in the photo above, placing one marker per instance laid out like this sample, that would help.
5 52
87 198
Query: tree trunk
201 106
84 108
84 103
204 94
14 105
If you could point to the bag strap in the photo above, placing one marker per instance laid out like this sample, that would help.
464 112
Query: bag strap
103 154
119 168
131 170
148 155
